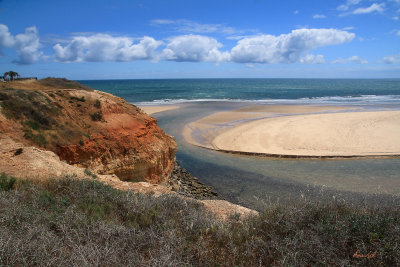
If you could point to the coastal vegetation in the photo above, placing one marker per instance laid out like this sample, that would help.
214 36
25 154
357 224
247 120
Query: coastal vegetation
84 222
11 75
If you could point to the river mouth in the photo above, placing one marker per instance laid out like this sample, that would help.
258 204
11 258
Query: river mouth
252 181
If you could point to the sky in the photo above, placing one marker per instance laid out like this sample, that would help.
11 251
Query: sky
145 39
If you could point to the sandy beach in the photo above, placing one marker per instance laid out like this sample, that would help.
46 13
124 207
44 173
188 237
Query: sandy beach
155 109
299 131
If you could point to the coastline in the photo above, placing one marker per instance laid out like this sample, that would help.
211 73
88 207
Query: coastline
299 131
156 109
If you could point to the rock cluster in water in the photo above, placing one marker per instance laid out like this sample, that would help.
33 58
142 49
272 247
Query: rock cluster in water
182 182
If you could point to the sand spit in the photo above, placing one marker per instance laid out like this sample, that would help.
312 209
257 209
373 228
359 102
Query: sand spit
336 133
156 109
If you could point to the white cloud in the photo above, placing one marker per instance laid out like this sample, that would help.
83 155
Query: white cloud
6 39
398 33
194 48
286 48
395 18
296 12
392 59
373 8
348 28
188 26
162 22
312 59
348 4
25 44
353 59
104 47
319 16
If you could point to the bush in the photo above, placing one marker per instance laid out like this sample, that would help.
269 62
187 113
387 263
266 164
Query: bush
90 174
6 183
83 222
97 116
97 104
81 99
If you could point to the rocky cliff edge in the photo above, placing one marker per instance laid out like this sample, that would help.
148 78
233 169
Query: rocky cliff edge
55 127
87 128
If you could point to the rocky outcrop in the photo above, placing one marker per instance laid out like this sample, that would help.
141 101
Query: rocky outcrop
88 128
183 183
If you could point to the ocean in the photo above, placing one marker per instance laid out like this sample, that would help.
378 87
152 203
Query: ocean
251 181
301 90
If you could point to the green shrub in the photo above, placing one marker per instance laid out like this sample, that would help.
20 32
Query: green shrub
90 174
97 104
6 183
38 138
97 116
81 99
33 124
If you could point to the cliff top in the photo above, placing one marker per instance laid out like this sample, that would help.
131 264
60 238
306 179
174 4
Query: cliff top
45 84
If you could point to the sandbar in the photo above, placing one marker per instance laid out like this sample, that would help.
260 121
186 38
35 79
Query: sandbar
303 131
156 109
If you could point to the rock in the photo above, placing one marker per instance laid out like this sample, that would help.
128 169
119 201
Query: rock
182 182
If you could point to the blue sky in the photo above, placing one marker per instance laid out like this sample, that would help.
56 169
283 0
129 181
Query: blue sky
201 39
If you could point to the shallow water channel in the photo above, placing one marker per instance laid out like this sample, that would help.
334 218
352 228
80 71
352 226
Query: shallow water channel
251 181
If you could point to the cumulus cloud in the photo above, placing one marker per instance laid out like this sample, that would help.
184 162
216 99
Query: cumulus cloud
373 8
194 48
25 44
353 59
6 39
312 59
392 59
319 16
286 48
104 47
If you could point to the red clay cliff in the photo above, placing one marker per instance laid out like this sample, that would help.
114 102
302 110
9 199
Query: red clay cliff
87 128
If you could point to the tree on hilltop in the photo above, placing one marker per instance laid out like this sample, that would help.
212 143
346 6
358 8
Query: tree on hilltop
11 74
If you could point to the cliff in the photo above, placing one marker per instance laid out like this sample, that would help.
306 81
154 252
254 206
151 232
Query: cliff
87 128
54 128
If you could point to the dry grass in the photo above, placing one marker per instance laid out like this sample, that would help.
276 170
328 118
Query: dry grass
85 223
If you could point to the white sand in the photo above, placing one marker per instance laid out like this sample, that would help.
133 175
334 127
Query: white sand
337 134
155 109
301 131
203 131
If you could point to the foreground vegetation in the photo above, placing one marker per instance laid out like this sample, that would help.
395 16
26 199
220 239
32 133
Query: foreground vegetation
74 222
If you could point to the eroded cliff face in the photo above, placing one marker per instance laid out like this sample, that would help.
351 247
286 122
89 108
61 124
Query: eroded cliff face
87 128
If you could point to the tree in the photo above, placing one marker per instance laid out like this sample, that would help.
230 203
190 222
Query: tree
11 74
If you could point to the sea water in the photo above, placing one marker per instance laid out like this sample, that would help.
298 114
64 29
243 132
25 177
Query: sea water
251 180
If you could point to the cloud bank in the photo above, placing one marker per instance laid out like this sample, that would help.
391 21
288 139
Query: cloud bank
25 44
104 47
285 48
294 47
194 48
